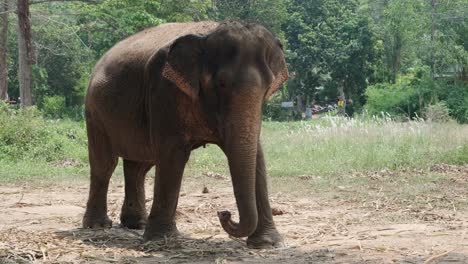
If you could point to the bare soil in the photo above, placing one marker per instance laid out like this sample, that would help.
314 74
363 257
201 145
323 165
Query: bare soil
42 224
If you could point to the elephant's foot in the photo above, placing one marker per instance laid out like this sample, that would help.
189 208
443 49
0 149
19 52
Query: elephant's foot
133 220
95 222
160 231
267 238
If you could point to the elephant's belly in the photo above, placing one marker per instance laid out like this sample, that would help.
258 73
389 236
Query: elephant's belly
137 153
133 143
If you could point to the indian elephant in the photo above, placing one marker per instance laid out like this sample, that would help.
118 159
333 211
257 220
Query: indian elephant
163 92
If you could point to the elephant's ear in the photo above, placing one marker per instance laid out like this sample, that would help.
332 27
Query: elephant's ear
183 64
280 70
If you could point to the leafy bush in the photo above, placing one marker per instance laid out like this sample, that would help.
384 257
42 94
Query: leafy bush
438 112
75 112
26 135
272 110
389 98
416 93
456 98
54 106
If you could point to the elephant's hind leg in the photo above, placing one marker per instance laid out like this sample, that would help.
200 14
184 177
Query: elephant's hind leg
102 163
133 213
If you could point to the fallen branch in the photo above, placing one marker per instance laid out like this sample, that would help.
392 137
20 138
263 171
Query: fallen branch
431 259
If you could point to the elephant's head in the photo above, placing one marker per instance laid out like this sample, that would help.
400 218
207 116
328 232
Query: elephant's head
231 71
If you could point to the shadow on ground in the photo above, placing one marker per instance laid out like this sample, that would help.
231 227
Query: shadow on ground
184 249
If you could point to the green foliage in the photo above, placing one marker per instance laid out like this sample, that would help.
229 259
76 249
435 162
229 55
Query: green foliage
104 24
330 46
184 10
270 13
272 111
26 136
40 84
437 112
415 93
414 33
33 147
456 98
394 99
61 54
53 106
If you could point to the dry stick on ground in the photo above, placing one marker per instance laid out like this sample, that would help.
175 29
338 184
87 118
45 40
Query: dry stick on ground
431 259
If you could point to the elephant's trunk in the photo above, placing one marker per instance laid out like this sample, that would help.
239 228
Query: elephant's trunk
241 138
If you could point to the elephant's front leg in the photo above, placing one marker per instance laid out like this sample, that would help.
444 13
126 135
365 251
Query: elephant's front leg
266 235
169 171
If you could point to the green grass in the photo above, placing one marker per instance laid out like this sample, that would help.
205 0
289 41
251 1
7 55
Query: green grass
343 146
373 162
33 148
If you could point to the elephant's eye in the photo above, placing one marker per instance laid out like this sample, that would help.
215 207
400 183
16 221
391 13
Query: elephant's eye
223 80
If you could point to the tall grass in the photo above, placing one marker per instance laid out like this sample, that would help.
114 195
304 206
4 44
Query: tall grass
337 146
34 147
341 145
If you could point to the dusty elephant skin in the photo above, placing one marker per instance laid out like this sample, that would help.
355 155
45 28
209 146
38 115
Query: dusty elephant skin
159 94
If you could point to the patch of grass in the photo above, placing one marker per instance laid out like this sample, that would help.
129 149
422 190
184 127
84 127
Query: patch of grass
27 171
344 146
32 147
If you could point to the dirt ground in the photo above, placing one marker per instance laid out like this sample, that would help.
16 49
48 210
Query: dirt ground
42 224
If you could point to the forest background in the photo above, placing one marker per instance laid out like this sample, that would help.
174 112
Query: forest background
403 58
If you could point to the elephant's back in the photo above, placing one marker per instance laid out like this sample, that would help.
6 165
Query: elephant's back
144 43
135 50
120 71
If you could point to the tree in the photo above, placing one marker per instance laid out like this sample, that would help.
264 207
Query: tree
3 49
331 48
270 13
183 10
63 63
450 43
25 52
104 24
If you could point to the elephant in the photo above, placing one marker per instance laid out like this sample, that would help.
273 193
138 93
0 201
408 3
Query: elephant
167 90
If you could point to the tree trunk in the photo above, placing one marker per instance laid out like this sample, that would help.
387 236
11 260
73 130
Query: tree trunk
24 52
299 105
433 30
3 50
396 60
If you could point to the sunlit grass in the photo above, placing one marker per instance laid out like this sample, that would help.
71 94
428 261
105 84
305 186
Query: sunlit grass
328 146
336 158
340 146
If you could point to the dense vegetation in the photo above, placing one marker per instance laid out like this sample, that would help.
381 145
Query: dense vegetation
394 56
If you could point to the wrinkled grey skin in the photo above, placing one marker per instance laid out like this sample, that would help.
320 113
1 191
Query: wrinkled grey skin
159 94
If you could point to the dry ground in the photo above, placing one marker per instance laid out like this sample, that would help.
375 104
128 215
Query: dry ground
41 223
